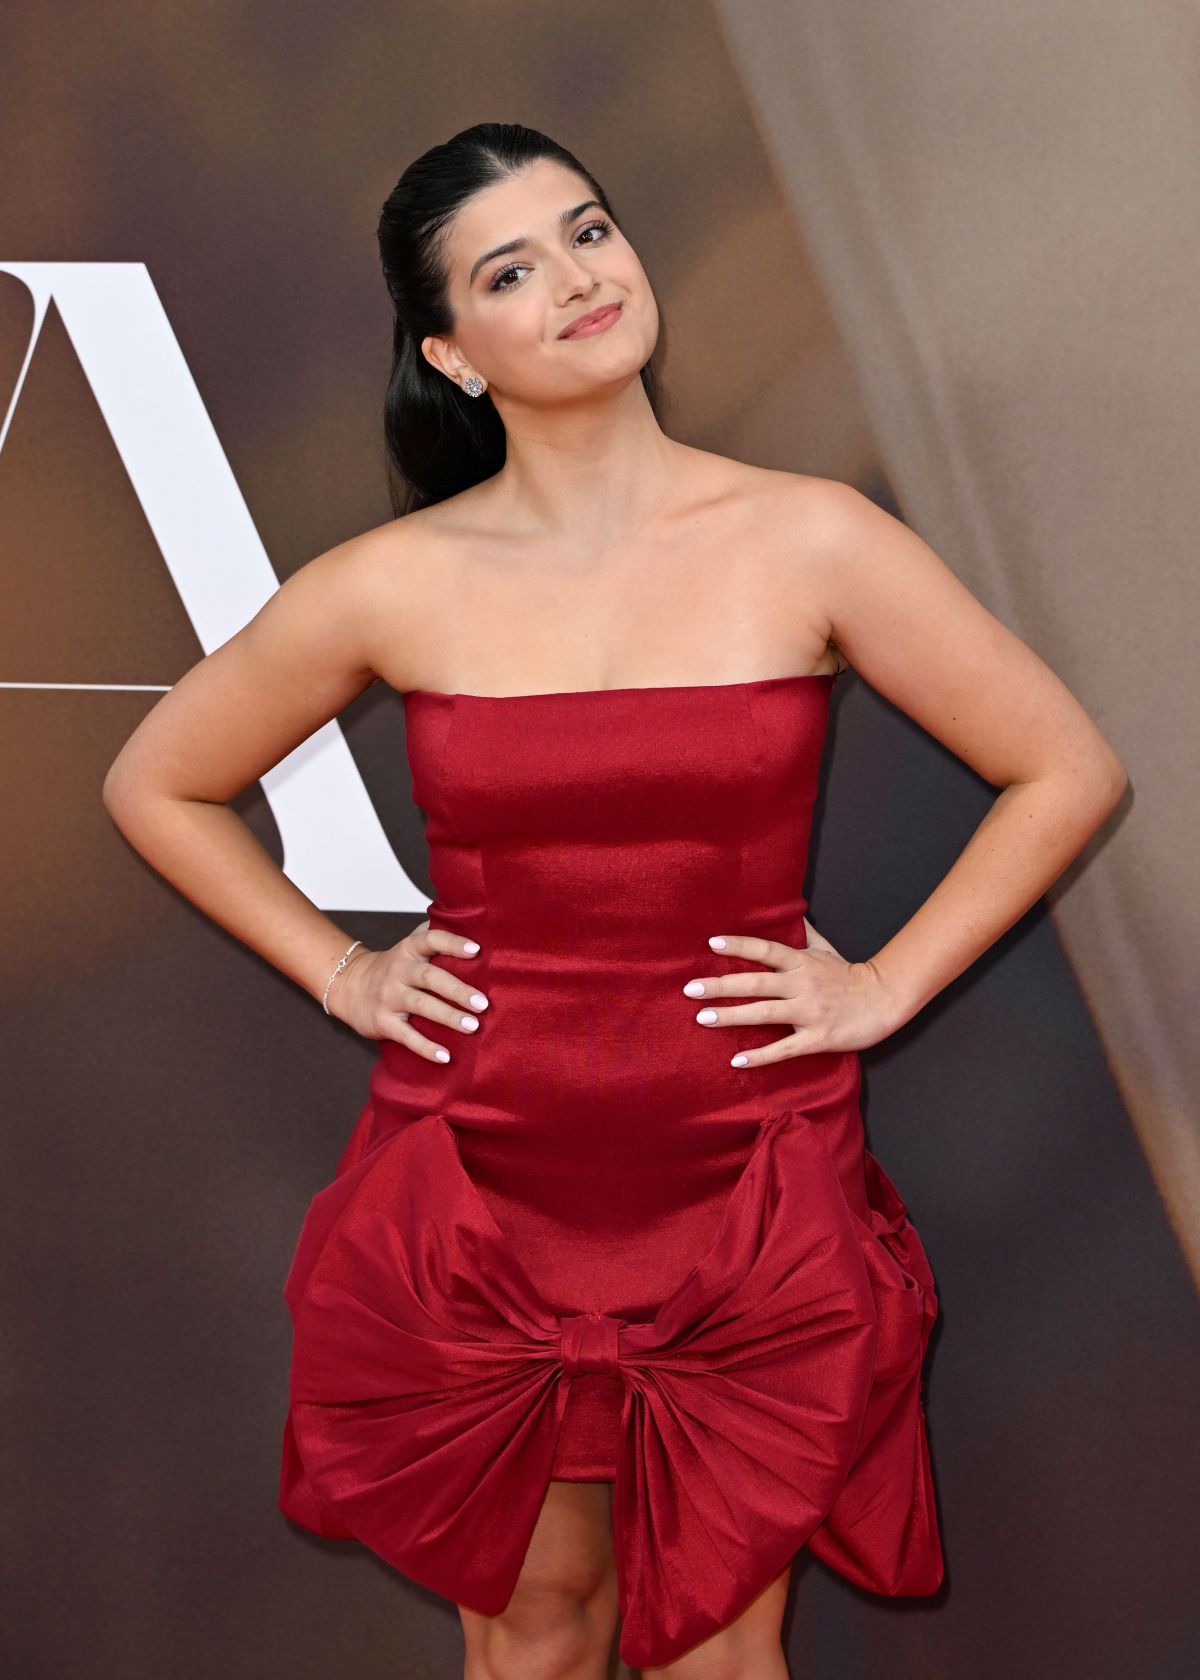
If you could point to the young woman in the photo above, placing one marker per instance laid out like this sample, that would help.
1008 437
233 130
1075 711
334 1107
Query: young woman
607 1310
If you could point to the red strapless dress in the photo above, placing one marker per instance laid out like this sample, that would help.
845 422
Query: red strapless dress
587 1247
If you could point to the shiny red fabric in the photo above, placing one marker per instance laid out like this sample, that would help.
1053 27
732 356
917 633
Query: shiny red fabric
588 1247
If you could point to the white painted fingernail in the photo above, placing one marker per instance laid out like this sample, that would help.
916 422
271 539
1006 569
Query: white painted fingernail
707 1016
694 988
442 1055
717 942
478 1001
470 946
469 1023
738 1061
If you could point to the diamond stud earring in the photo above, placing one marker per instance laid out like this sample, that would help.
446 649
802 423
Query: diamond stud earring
474 386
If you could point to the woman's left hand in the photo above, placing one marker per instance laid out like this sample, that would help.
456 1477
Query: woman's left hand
829 1003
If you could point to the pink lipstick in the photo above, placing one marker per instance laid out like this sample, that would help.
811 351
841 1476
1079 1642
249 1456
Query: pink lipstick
596 320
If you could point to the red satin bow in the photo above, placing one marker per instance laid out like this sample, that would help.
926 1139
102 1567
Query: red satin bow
773 1400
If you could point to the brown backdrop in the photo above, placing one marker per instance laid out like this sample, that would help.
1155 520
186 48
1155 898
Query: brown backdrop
946 254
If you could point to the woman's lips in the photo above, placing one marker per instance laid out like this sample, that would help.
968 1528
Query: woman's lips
595 322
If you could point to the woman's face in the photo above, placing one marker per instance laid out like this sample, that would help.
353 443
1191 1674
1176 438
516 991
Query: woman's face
565 257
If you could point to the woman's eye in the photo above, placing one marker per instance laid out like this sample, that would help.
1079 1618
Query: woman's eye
598 227
511 269
499 283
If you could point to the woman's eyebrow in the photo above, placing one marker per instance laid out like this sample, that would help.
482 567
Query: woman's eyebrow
566 218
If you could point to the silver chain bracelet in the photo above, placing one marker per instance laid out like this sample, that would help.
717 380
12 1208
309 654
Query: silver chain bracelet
341 965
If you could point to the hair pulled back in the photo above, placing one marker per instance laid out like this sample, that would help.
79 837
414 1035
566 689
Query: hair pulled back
438 439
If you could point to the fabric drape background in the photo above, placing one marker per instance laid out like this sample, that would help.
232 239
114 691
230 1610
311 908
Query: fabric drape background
947 254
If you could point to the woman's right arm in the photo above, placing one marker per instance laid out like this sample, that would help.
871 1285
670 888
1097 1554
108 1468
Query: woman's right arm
228 720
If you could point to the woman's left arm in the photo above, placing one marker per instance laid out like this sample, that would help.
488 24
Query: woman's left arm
919 637
922 640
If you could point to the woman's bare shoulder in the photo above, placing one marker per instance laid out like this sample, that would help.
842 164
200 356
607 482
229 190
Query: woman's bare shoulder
435 535
767 489
404 554
421 558
396 582
404 535
801 493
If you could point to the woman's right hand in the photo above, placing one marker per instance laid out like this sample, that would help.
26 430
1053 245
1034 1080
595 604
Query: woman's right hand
377 994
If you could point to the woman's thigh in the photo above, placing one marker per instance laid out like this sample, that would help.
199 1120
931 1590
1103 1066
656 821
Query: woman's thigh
561 1619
